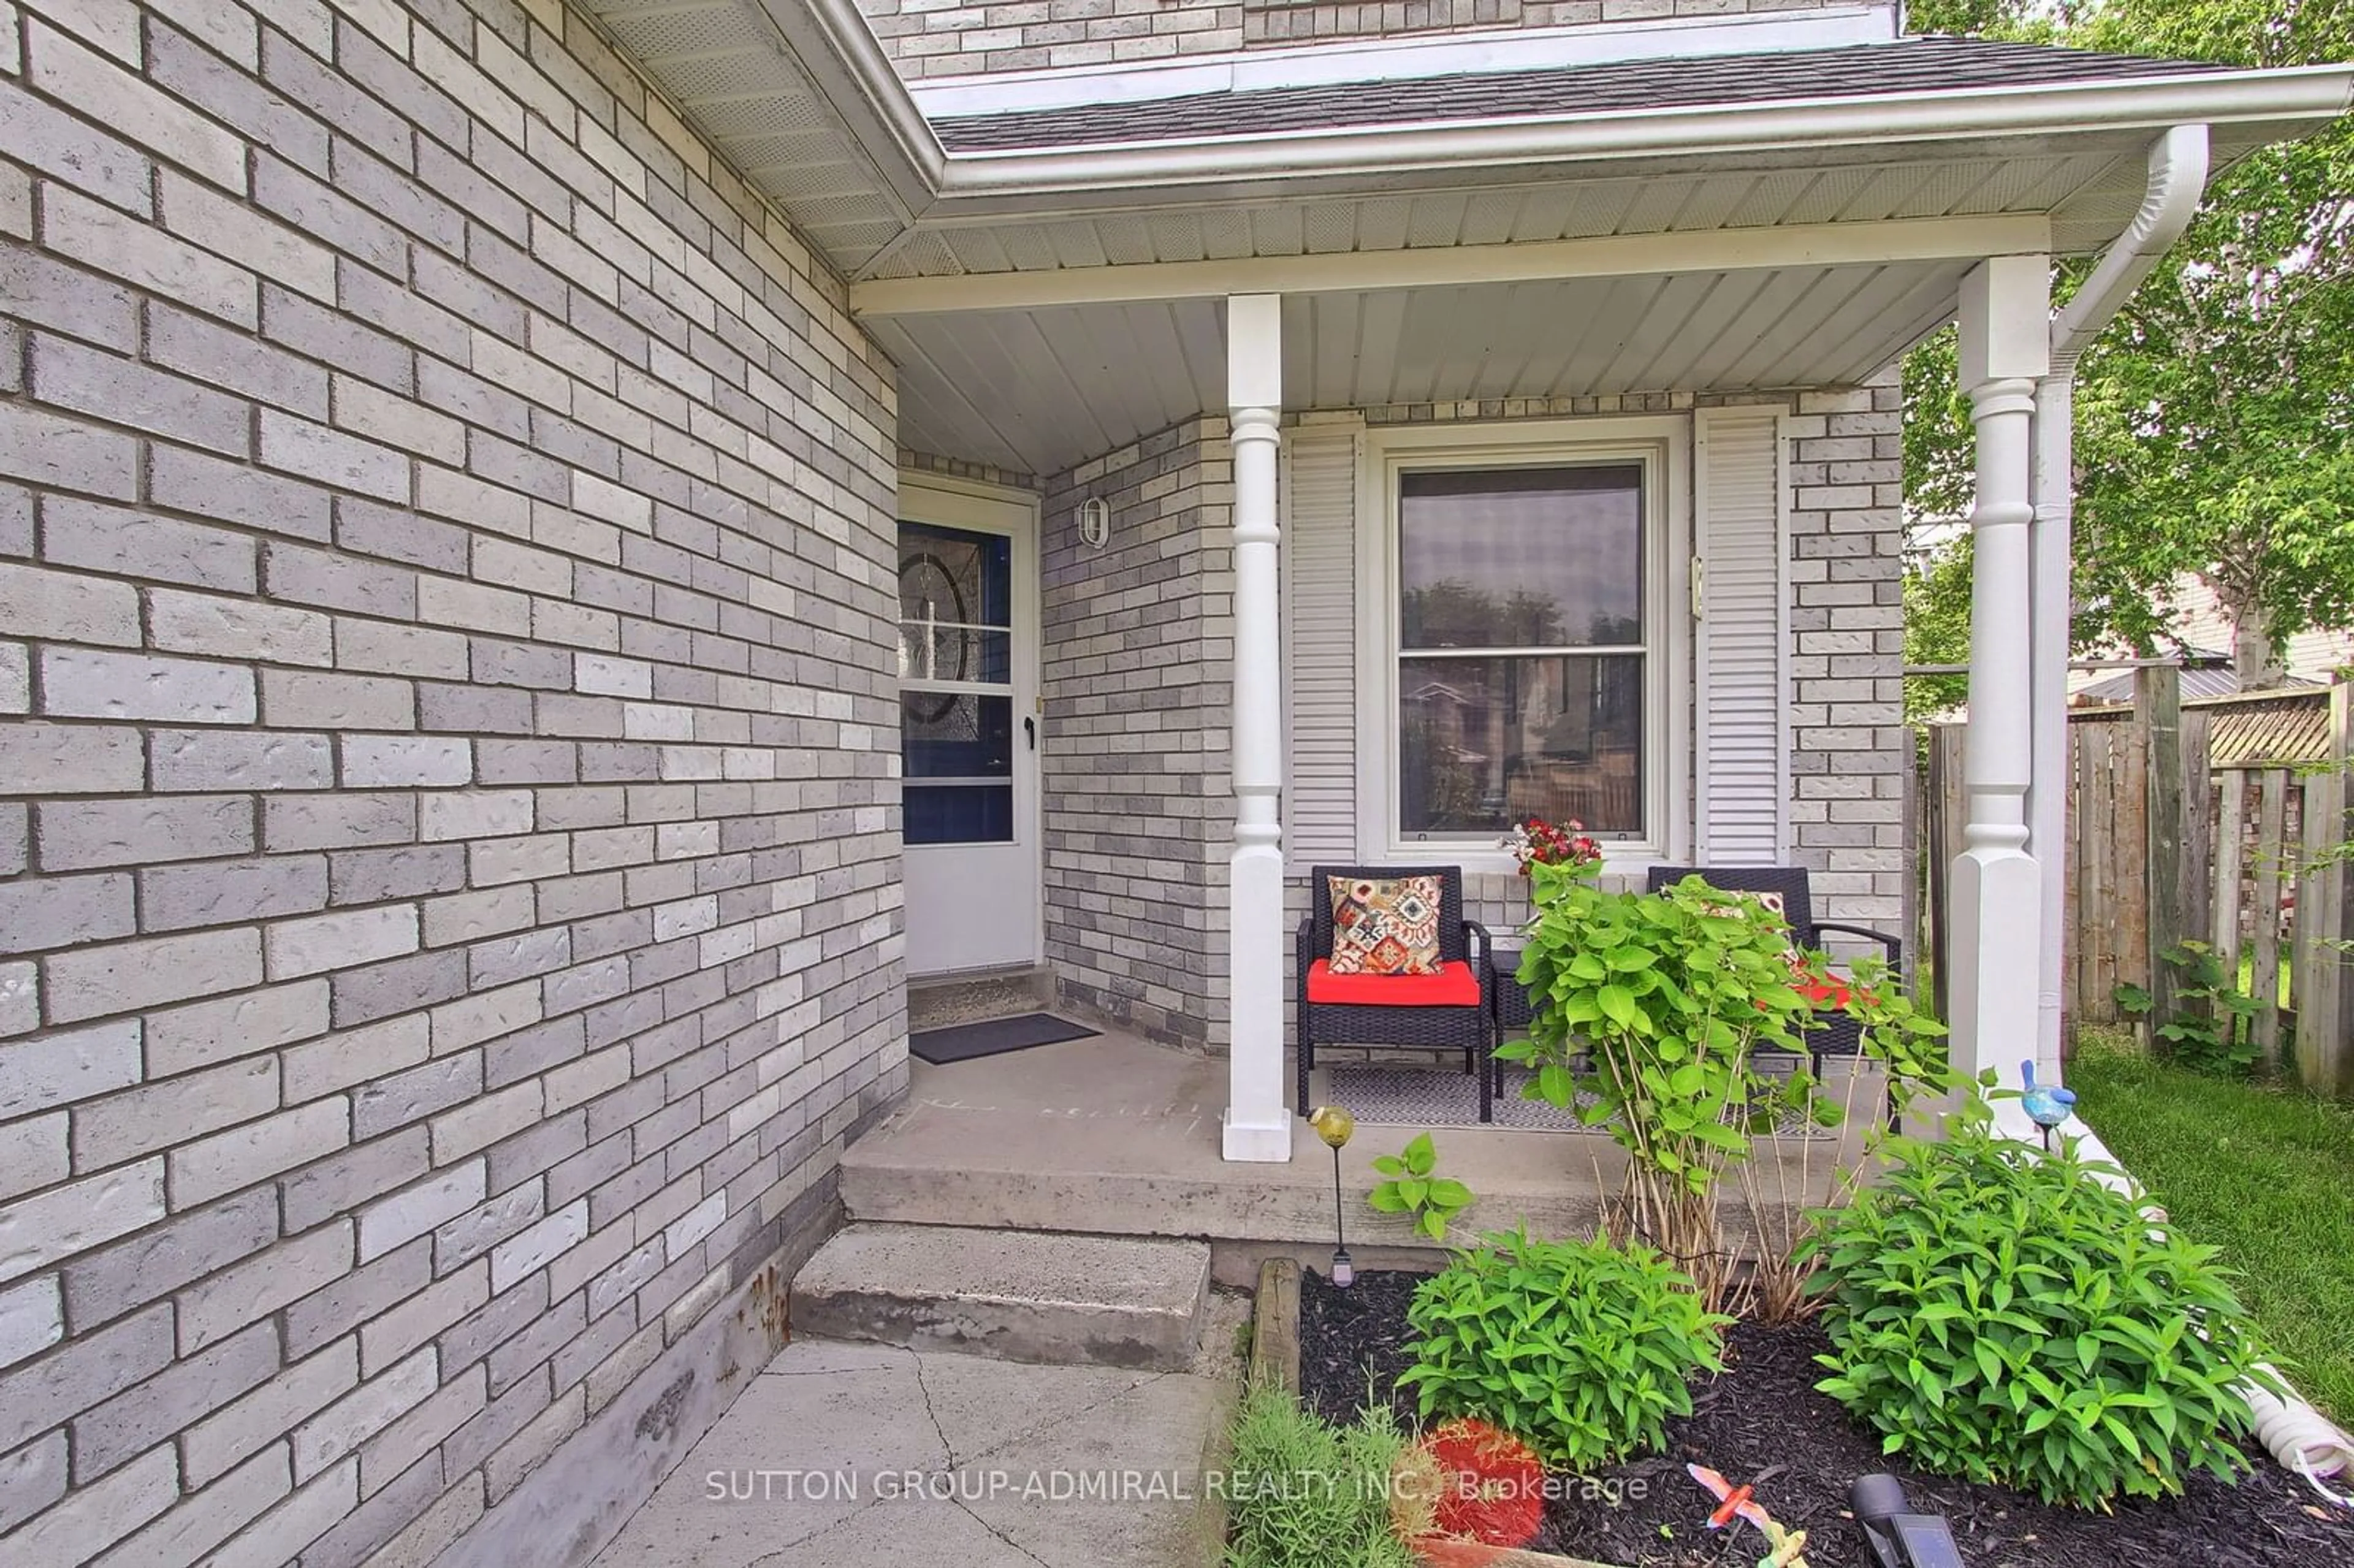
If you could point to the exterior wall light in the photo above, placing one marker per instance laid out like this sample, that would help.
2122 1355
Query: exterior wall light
1094 522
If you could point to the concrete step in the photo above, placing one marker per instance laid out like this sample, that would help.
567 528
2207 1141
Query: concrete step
1021 1296
941 1000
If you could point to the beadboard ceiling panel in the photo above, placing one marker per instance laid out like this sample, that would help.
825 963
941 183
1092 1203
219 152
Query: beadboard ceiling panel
1041 390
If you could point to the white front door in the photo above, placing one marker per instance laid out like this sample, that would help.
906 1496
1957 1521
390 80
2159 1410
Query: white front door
969 724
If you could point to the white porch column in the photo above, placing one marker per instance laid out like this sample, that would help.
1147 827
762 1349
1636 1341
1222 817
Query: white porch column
1258 1122
1996 912
2047 798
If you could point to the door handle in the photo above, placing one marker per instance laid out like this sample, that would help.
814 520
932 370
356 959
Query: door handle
1030 728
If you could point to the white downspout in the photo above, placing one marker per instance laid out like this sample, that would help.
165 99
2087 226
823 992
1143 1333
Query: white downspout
2178 178
2298 1436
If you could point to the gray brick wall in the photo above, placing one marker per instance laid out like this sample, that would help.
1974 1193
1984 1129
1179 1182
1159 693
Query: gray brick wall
969 37
445 527
1138 674
1852 758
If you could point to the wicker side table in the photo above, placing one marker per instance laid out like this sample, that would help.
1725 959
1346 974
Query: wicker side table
1510 1003
1508 1007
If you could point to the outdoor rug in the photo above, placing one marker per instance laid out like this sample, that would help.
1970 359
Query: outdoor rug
1390 1096
1422 1096
995 1036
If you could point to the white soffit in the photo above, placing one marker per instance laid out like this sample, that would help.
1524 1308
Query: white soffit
1038 391
747 89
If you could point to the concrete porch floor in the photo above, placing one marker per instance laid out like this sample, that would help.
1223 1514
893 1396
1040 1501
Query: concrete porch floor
1119 1136
853 1456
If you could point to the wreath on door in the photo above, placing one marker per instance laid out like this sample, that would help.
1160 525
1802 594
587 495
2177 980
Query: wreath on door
924 579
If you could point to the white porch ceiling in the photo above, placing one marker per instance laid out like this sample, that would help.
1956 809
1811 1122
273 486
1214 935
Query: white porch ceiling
1038 391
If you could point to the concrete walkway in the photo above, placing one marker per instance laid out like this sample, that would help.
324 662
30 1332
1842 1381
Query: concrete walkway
853 1456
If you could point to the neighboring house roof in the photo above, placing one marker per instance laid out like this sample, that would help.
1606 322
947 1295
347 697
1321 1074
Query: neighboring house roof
1928 65
2200 680
2202 633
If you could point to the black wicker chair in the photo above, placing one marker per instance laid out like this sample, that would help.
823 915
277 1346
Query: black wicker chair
1347 1012
1838 1035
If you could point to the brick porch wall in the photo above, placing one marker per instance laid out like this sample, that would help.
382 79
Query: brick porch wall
1852 756
926 38
1139 826
1139 662
448 862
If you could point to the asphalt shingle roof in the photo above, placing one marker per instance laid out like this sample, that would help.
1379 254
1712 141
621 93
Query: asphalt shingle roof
1907 67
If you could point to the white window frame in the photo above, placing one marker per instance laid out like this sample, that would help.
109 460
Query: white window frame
1663 446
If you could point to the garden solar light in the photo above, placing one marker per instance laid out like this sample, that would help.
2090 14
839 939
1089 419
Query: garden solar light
1898 1537
1334 1125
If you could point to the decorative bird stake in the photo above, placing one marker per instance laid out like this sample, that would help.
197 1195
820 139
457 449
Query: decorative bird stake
1334 1125
2047 1107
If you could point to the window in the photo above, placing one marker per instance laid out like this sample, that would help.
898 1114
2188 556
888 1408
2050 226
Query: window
1521 649
956 704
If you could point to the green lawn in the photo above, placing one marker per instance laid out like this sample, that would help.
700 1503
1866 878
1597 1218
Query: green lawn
2265 1174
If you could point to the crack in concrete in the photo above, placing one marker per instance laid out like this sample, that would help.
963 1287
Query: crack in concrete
1026 1432
777 1558
1001 1535
947 1448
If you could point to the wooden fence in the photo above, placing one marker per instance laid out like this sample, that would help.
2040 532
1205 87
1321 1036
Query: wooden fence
2194 824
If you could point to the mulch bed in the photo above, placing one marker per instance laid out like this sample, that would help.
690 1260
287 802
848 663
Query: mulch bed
1762 1421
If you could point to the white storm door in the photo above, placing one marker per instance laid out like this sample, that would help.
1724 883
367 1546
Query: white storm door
969 728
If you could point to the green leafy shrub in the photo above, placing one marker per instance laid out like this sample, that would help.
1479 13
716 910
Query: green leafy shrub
1304 1493
2005 1316
1581 1350
1412 1189
1669 998
2213 1026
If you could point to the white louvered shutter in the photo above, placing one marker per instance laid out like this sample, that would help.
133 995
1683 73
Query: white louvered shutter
1320 645
1742 665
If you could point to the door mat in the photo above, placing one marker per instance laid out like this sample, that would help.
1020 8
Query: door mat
994 1036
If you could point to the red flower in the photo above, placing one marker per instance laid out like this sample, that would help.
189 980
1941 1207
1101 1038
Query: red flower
1539 843
1492 1484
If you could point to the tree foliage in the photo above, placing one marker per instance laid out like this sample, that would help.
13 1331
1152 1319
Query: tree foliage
2215 416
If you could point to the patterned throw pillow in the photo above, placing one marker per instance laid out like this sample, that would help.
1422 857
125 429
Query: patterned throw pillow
1385 926
1799 967
1772 901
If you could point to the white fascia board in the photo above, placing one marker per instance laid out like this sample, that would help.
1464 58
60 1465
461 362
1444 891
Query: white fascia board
1605 256
1327 64
834 47
2290 99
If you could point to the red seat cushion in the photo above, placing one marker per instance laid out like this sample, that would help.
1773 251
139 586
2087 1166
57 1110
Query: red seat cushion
1825 992
1829 989
1453 986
